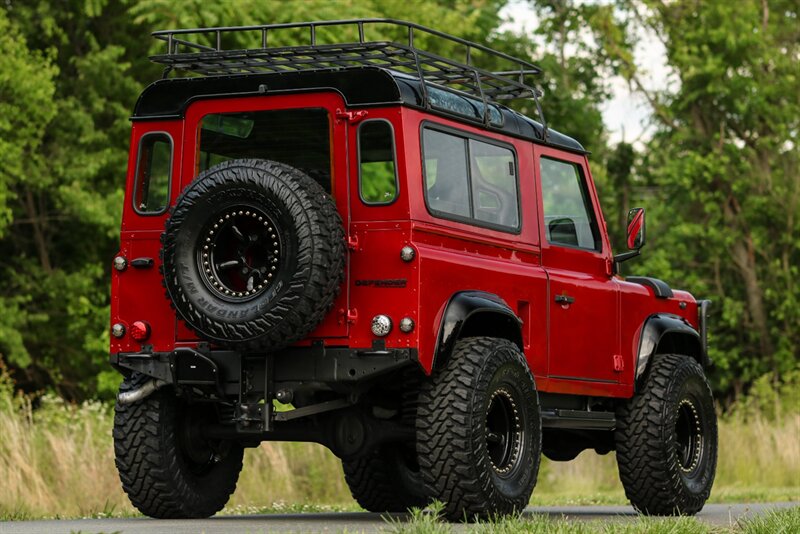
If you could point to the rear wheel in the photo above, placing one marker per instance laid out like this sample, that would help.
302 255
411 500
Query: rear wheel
479 434
386 479
167 468
667 439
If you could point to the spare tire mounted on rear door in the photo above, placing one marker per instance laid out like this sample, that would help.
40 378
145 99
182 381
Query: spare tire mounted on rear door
253 254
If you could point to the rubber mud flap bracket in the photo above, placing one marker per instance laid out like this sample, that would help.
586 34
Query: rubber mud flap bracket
193 368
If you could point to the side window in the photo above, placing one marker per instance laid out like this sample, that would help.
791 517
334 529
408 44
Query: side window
153 169
568 214
446 178
468 178
494 184
377 170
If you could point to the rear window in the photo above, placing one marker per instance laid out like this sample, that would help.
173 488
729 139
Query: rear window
297 137
153 170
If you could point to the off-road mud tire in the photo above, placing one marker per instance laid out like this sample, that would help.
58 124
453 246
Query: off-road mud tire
156 473
309 252
658 479
383 481
453 430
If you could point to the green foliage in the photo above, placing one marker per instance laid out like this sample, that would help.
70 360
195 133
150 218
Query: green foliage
720 178
770 397
777 521
26 106
69 77
782 521
724 166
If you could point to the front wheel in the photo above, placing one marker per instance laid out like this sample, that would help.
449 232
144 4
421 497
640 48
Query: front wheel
167 467
479 435
666 439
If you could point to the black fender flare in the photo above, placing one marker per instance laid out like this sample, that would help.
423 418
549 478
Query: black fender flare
475 313
672 333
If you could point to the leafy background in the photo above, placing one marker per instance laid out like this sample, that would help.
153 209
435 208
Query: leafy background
719 175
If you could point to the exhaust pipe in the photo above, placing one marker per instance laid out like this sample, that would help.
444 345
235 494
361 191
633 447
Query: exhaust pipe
136 395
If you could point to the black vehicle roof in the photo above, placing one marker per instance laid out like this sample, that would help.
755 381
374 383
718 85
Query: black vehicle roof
360 87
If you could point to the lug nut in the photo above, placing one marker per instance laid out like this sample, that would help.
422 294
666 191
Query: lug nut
407 253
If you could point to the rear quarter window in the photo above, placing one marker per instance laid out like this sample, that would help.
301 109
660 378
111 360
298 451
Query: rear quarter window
377 169
153 172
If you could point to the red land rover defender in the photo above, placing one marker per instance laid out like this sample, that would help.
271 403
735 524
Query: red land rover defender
420 276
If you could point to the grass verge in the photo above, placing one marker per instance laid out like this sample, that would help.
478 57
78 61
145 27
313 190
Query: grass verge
57 461
784 521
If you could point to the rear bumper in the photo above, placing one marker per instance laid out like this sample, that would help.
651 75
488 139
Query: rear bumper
222 372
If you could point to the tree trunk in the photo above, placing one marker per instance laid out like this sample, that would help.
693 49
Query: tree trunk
37 223
744 258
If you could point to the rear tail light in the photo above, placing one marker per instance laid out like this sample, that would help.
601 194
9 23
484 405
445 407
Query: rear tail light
140 331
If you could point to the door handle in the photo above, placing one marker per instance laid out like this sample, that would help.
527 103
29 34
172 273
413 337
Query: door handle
142 263
564 299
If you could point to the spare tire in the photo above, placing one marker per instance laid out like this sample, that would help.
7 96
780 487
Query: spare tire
253 254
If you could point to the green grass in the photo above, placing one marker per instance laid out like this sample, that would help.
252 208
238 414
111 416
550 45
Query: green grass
57 461
784 521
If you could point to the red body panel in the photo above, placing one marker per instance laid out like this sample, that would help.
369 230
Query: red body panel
573 348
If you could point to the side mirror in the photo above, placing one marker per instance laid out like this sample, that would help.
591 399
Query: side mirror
634 238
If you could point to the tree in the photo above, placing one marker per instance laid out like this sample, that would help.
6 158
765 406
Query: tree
70 74
26 107
725 162
65 208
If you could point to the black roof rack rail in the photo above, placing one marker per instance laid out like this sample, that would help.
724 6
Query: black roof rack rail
203 51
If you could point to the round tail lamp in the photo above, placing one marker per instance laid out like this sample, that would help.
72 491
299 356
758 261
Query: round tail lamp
140 331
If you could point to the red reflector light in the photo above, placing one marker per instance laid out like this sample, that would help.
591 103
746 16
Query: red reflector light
140 330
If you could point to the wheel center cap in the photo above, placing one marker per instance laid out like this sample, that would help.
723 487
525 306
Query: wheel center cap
240 253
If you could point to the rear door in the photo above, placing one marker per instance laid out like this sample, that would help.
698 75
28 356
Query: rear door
137 293
583 296
300 130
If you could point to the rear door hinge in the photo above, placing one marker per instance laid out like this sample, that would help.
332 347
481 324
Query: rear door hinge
619 363
350 116
352 242
349 316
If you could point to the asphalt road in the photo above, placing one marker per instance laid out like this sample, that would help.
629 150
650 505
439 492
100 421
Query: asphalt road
716 514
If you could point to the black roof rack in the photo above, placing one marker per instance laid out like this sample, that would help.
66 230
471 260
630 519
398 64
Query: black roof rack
203 51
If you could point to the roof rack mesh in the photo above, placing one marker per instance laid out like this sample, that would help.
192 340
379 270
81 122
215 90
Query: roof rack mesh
246 49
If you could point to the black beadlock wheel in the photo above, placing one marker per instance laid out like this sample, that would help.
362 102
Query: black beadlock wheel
253 254
166 466
479 435
666 439
386 479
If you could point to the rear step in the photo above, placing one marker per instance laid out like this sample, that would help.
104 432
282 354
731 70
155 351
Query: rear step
578 419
